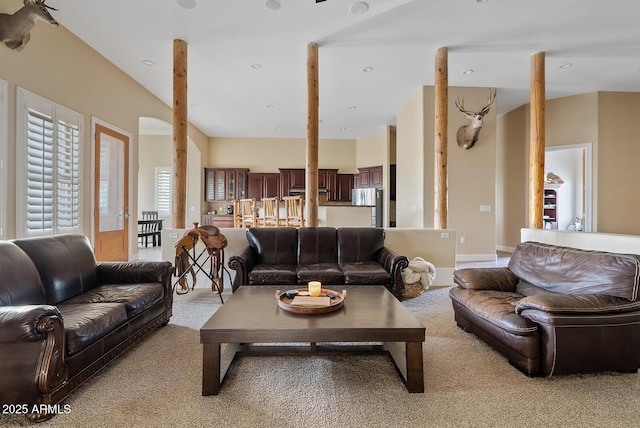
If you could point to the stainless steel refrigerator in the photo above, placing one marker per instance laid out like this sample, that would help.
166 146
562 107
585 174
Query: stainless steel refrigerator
370 197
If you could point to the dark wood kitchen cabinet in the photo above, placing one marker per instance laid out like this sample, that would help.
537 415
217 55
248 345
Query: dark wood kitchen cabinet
294 179
225 184
263 185
344 187
370 176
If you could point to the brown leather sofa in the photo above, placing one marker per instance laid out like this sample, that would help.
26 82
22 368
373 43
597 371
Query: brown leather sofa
555 310
288 256
63 316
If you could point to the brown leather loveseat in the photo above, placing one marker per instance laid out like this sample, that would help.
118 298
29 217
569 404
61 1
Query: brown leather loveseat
347 255
63 317
555 310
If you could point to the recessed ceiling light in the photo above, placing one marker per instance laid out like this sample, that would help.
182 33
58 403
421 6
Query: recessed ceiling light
270 106
256 66
482 1
352 107
148 62
272 4
194 105
468 71
187 4
567 65
321 121
343 129
217 127
359 8
367 69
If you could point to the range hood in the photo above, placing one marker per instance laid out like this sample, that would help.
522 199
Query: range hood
295 191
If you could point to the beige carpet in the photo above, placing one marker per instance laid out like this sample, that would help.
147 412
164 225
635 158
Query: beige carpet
157 384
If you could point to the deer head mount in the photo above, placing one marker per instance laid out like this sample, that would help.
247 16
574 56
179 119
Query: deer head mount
468 134
15 29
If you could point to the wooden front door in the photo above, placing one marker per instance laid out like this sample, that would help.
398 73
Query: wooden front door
111 225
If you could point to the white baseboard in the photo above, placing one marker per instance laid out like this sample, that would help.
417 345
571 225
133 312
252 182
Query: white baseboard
476 257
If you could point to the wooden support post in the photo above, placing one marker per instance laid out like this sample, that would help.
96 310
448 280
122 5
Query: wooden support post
537 141
441 133
311 182
180 128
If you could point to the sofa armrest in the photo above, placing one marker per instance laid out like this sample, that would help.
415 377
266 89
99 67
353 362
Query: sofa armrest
32 355
583 304
500 279
19 323
242 263
394 264
579 309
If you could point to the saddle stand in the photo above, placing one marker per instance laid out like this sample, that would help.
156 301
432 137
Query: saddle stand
189 261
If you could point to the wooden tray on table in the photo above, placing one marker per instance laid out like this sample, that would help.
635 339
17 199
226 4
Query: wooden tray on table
286 301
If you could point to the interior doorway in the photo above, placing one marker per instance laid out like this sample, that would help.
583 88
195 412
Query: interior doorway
574 165
111 193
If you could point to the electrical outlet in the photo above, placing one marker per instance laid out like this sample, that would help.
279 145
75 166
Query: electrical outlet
173 234
463 239
444 235
485 208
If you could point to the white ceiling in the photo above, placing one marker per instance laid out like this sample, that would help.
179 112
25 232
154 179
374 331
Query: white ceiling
397 38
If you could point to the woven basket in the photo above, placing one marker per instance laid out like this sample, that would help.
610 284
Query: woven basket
413 290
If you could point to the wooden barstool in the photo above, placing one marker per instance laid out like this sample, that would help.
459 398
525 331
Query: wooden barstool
248 212
271 213
237 215
294 211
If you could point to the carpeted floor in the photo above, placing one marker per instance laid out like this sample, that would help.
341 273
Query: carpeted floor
158 384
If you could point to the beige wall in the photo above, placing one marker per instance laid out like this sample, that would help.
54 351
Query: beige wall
618 172
471 180
411 158
512 128
269 154
605 119
57 65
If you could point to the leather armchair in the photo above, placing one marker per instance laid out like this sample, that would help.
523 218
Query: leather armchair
555 310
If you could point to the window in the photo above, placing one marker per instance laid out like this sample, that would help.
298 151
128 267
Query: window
3 154
48 167
163 190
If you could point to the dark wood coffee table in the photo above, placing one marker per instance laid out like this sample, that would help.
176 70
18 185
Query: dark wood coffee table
371 314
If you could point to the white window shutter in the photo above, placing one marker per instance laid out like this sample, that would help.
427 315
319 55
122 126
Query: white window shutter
163 191
49 169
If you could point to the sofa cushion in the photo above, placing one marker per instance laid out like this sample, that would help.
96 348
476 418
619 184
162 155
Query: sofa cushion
496 307
326 273
18 268
276 274
66 265
359 244
371 273
136 297
317 245
571 270
274 245
88 322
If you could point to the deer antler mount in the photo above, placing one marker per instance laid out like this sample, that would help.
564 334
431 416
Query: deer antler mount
15 30
467 135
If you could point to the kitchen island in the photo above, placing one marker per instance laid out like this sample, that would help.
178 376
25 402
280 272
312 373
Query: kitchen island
344 215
